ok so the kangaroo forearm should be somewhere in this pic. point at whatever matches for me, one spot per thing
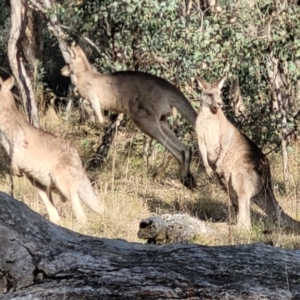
(203, 152)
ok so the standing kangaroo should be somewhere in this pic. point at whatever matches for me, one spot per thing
(50, 163)
(147, 99)
(241, 167)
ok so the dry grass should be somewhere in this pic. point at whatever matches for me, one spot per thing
(126, 186)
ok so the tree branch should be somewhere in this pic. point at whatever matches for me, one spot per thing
(47, 8)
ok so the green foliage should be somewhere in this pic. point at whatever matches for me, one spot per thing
(161, 38)
(167, 39)
(4, 29)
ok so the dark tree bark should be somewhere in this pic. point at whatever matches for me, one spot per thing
(117, 121)
(19, 11)
(40, 260)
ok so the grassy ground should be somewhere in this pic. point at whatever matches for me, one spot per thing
(126, 186)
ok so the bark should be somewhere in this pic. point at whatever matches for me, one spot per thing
(277, 83)
(40, 260)
(29, 47)
(296, 93)
(19, 11)
(117, 121)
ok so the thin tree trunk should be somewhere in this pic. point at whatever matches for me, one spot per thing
(276, 81)
(19, 10)
(117, 120)
(40, 260)
(285, 158)
(29, 47)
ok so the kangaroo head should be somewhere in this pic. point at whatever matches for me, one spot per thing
(211, 93)
(5, 87)
(77, 63)
(76, 53)
(78, 60)
(238, 106)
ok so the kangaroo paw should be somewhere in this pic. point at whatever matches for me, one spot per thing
(16, 171)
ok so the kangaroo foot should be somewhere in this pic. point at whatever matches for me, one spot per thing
(189, 181)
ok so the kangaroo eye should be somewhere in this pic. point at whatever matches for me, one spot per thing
(210, 95)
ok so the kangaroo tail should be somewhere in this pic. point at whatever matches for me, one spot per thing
(87, 194)
(272, 208)
(287, 221)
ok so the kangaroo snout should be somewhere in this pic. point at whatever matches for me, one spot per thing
(218, 104)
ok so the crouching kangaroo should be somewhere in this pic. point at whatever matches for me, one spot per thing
(147, 99)
(241, 167)
(50, 163)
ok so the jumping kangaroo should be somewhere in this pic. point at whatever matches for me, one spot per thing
(147, 99)
(50, 163)
(241, 167)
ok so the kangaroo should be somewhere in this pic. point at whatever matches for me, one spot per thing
(49, 162)
(241, 167)
(147, 99)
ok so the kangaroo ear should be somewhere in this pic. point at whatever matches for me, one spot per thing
(219, 83)
(7, 84)
(72, 51)
(65, 71)
(203, 84)
(79, 52)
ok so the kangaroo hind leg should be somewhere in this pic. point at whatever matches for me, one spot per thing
(46, 197)
(244, 189)
(186, 155)
(69, 186)
(226, 184)
(154, 129)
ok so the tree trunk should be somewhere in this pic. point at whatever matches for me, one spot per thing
(29, 47)
(40, 260)
(18, 16)
(117, 120)
(280, 100)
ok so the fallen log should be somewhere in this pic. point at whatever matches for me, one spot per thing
(40, 260)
